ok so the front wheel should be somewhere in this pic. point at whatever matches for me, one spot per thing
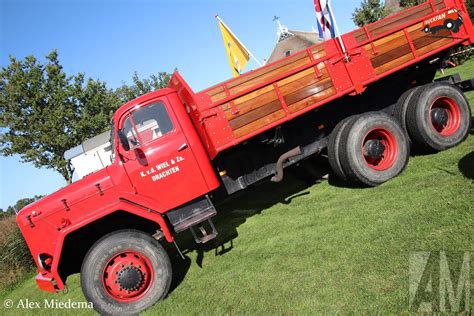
(125, 273)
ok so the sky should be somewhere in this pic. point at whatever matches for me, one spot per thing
(111, 39)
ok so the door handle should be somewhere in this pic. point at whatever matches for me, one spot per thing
(183, 147)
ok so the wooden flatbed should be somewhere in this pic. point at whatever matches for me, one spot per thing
(238, 109)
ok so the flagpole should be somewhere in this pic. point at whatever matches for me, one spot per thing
(250, 53)
(337, 31)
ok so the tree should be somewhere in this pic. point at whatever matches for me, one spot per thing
(43, 112)
(370, 11)
(21, 203)
(470, 8)
(410, 3)
(141, 86)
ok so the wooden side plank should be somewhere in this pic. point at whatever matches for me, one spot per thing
(386, 44)
(252, 104)
(256, 114)
(307, 91)
(394, 63)
(290, 81)
(382, 59)
(428, 48)
(252, 101)
(286, 88)
(255, 125)
(258, 107)
(299, 92)
(311, 100)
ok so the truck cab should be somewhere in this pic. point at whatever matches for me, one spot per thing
(159, 150)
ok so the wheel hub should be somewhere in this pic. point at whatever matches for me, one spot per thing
(127, 276)
(130, 278)
(374, 148)
(439, 117)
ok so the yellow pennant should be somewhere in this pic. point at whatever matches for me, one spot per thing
(236, 52)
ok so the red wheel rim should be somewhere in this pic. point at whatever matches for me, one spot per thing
(127, 276)
(388, 150)
(451, 108)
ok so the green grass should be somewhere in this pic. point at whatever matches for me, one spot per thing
(300, 249)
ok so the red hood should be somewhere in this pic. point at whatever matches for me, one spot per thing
(69, 196)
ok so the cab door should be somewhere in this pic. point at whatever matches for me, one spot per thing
(160, 163)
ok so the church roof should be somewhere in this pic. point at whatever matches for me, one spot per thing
(393, 5)
(292, 42)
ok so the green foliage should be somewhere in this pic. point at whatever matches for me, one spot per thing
(370, 11)
(470, 8)
(21, 203)
(15, 256)
(410, 3)
(43, 112)
(141, 86)
(461, 54)
(15, 253)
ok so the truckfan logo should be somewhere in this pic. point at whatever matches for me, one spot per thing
(449, 20)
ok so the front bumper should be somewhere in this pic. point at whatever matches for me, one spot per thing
(46, 283)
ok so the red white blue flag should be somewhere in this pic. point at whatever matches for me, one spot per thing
(325, 19)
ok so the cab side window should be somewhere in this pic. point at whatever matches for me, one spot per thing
(130, 133)
(152, 122)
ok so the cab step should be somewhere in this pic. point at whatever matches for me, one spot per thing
(202, 235)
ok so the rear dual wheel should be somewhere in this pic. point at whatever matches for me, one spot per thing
(333, 148)
(369, 149)
(401, 107)
(438, 117)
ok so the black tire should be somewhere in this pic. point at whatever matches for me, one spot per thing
(449, 24)
(457, 25)
(393, 158)
(423, 130)
(98, 265)
(333, 147)
(401, 107)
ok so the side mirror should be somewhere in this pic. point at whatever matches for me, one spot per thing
(123, 140)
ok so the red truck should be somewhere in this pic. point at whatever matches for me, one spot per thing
(173, 148)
